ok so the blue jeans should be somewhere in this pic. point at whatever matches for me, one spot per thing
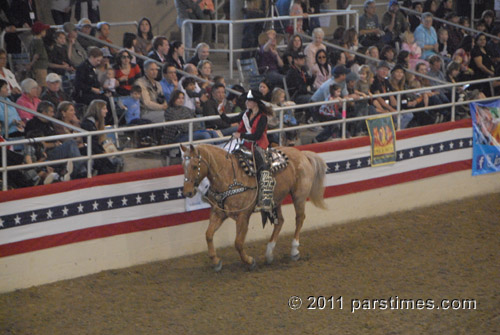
(69, 149)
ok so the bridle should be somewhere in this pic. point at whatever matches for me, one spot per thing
(197, 180)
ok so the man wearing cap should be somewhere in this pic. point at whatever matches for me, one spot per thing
(85, 27)
(298, 80)
(339, 75)
(381, 85)
(393, 23)
(38, 54)
(53, 92)
(76, 52)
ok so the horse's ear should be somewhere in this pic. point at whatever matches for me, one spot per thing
(191, 148)
(183, 148)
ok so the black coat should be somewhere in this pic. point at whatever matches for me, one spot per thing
(85, 79)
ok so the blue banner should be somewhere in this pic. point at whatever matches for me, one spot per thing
(486, 137)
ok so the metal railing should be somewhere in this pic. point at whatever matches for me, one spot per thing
(231, 50)
(281, 128)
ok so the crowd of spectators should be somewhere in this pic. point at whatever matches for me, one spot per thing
(78, 80)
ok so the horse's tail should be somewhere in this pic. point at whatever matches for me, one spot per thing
(318, 187)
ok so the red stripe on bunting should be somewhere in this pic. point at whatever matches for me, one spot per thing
(194, 216)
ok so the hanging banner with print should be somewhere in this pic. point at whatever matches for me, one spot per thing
(383, 140)
(486, 137)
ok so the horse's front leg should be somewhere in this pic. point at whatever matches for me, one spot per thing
(241, 233)
(274, 236)
(216, 219)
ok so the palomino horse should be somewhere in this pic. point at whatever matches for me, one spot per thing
(302, 178)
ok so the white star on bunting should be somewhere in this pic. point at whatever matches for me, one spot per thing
(348, 165)
(138, 199)
(359, 163)
(80, 208)
(124, 201)
(17, 220)
(1, 222)
(411, 153)
(451, 145)
(33, 217)
(152, 197)
(165, 195)
(421, 151)
(95, 206)
(65, 211)
(110, 203)
(401, 155)
(179, 193)
(49, 214)
(441, 147)
(431, 149)
(337, 167)
(461, 143)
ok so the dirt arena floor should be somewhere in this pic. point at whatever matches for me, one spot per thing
(447, 251)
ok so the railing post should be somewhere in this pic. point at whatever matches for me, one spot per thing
(6, 119)
(344, 116)
(399, 111)
(183, 37)
(231, 60)
(4, 168)
(281, 116)
(453, 99)
(89, 155)
(190, 127)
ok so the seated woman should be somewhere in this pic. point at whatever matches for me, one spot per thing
(180, 133)
(398, 83)
(482, 64)
(93, 121)
(174, 56)
(322, 71)
(126, 72)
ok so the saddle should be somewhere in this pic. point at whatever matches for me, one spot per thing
(277, 160)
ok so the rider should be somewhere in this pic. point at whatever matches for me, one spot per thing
(253, 127)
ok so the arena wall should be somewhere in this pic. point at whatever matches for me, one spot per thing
(66, 230)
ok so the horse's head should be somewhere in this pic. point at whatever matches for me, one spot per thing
(195, 169)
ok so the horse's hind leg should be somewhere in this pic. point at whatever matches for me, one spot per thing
(241, 233)
(274, 236)
(300, 208)
(215, 222)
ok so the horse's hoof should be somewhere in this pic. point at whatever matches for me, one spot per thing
(218, 266)
(269, 260)
(295, 257)
(252, 266)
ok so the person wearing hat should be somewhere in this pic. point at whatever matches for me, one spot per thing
(85, 27)
(252, 129)
(76, 52)
(393, 23)
(299, 82)
(53, 91)
(103, 32)
(381, 85)
(39, 59)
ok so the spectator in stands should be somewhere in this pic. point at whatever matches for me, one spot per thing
(298, 81)
(91, 7)
(350, 41)
(431, 6)
(39, 59)
(132, 106)
(13, 87)
(412, 47)
(374, 53)
(363, 107)
(59, 61)
(87, 85)
(321, 70)
(56, 149)
(175, 56)
(481, 64)
(85, 27)
(180, 133)
(29, 98)
(294, 45)
(393, 23)
(216, 105)
(492, 47)
(129, 43)
(126, 72)
(66, 112)
(144, 37)
(269, 60)
(388, 54)
(398, 83)
(296, 10)
(53, 91)
(443, 49)
(153, 103)
(339, 76)
(488, 17)
(236, 102)
(338, 36)
(187, 9)
(463, 56)
(169, 82)
(93, 121)
(202, 52)
(312, 48)
(426, 37)
(193, 71)
(15, 126)
(104, 65)
(436, 97)
(331, 112)
(370, 31)
(61, 11)
(103, 32)
(381, 85)
(415, 19)
(265, 89)
(452, 73)
(337, 58)
(205, 72)
(454, 34)
(76, 52)
(403, 59)
(444, 8)
(160, 51)
(207, 11)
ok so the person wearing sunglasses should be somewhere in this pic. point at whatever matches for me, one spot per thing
(125, 72)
